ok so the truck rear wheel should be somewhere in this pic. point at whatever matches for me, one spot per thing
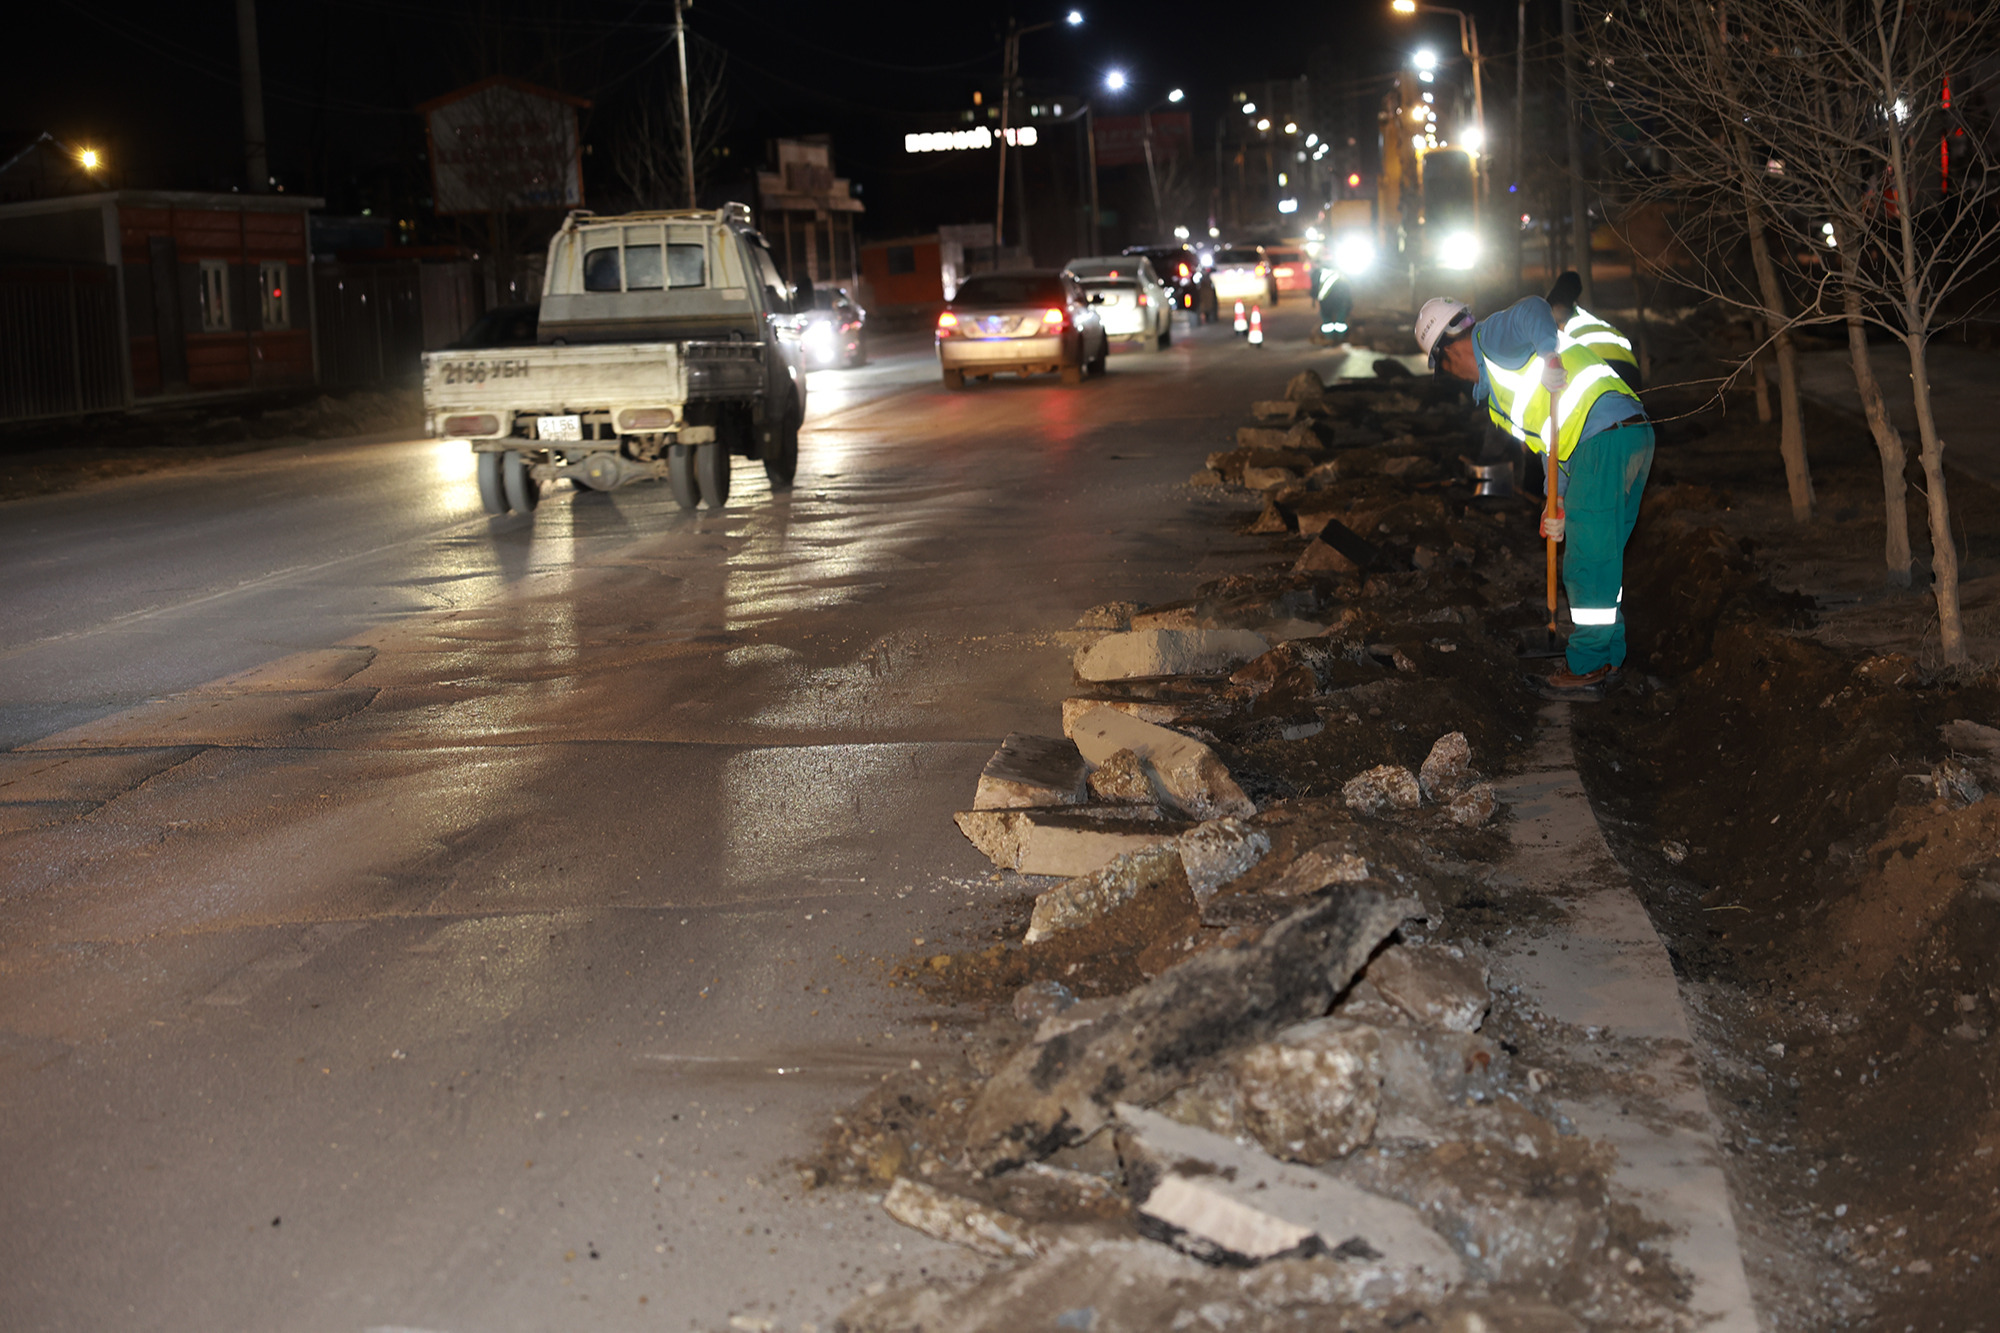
(781, 459)
(711, 471)
(523, 491)
(680, 475)
(492, 492)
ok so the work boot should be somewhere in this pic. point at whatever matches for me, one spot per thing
(1566, 686)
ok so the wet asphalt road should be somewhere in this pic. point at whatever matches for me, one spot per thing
(415, 920)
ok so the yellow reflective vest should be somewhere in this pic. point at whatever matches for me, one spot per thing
(1599, 336)
(1520, 405)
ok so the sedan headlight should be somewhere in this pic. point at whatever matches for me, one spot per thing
(1459, 250)
(818, 340)
(1354, 254)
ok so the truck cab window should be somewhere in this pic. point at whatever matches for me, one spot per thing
(642, 269)
(600, 270)
(777, 296)
(687, 266)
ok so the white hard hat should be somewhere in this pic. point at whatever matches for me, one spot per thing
(1441, 316)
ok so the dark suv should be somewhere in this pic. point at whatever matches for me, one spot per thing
(1180, 269)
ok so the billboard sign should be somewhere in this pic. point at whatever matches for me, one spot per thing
(504, 146)
(1121, 140)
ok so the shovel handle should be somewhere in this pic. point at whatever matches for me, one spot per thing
(1551, 507)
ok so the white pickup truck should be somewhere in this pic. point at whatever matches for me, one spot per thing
(666, 343)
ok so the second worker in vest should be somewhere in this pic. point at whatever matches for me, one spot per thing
(1593, 331)
(1523, 370)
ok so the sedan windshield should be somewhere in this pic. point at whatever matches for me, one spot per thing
(1238, 257)
(1010, 289)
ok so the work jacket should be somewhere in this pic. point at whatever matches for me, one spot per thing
(1599, 335)
(1520, 405)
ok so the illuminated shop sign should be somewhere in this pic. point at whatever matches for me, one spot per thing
(949, 140)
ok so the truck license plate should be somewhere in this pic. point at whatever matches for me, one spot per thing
(559, 428)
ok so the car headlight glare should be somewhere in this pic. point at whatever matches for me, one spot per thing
(1459, 250)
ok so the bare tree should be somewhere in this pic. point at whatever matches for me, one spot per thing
(650, 158)
(1855, 114)
(1683, 68)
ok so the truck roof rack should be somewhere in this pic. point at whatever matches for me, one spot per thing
(730, 212)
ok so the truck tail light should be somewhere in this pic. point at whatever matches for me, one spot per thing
(468, 426)
(646, 418)
(1144, 300)
(1184, 268)
(946, 323)
(1053, 317)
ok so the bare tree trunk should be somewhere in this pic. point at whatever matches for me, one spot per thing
(1916, 336)
(1760, 378)
(1888, 440)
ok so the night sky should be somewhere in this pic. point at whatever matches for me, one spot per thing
(154, 86)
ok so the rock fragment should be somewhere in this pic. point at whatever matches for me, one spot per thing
(1384, 787)
(1268, 478)
(1031, 771)
(1224, 1202)
(1149, 873)
(1447, 769)
(1039, 1000)
(1120, 780)
(1108, 615)
(1313, 870)
(1060, 1092)
(1276, 409)
(1309, 1095)
(1065, 840)
(1185, 773)
(1217, 851)
(1474, 806)
(1161, 713)
(1168, 652)
(1437, 986)
(1338, 549)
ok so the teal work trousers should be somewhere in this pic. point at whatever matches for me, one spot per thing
(1606, 479)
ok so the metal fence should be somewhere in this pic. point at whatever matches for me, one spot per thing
(374, 318)
(59, 352)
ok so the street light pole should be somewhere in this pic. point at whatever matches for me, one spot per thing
(1468, 45)
(687, 120)
(1008, 61)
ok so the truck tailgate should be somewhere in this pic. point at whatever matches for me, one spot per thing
(591, 376)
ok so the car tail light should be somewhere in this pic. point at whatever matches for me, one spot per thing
(947, 322)
(1144, 300)
(1053, 317)
(1262, 269)
(472, 425)
(646, 418)
(1184, 269)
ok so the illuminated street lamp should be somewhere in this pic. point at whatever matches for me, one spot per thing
(1074, 18)
(1115, 80)
(1468, 43)
(88, 159)
(1176, 95)
(1010, 66)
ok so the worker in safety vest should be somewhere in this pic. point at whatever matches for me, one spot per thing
(1336, 303)
(1593, 331)
(1539, 388)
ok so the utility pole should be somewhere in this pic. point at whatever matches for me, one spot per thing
(1011, 54)
(1513, 200)
(1579, 212)
(687, 117)
(256, 158)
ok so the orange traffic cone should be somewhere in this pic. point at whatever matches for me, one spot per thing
(1256, 327)
(1242, 324)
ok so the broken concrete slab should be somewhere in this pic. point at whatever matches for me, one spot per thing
(1159, 712)
(1108, 615)
(1316, 868)
(1122, 780)
(1262, 437)
(1168, 652)
(1338, 549)
(1309, 1095)
(1065, 840)
(1447, 769)
(1159, 1034)
(1382, 788)
(1185, 772)
(1032, 771)
(961, 1221)
(1225, 1202)
(1217, 851)
(1129, 879)
(1305, 385)
(1275, 409)
(1438, 986)
(1268, 478)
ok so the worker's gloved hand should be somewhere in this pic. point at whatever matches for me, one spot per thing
(1552, 526)
(1554, 378)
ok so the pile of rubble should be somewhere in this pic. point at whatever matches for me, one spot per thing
(1244, 1068)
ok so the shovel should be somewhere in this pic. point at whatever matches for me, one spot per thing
(1547, 641)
